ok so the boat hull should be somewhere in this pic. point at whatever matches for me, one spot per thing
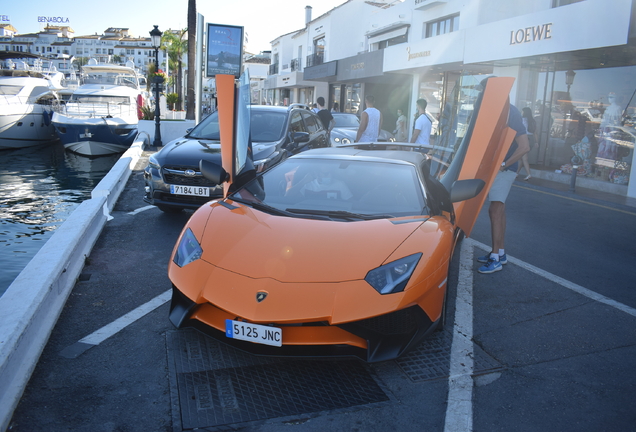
(94, 137)
(29, 126)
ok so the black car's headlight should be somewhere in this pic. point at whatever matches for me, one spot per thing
(263, 163)
(188, 250)
(393, 277)
(152, 161)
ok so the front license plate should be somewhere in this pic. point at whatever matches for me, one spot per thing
(190, 190)
(253, 333)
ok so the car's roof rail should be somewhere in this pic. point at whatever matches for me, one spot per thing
(298, 105)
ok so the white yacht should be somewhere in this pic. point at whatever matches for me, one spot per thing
(102, 114)
(27, 97)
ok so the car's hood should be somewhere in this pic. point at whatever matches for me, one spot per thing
(188, 151)
(258, 245)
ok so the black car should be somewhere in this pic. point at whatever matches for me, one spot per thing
(174, 181)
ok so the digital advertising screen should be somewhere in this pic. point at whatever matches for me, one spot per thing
(224, 50)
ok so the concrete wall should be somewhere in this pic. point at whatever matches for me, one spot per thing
(32, 304)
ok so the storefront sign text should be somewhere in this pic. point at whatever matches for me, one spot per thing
(417, 54)
(357, 66)
(531, 34)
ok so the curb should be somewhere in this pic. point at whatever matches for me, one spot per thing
(30, 307)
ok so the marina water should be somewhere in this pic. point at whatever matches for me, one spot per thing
(39, 188)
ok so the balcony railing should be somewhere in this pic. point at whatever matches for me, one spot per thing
(273, 69)
(315, 59)
(296, 64)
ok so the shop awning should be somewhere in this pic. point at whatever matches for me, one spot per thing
(388, 35)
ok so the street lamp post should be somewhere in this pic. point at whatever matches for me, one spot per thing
(155, 36)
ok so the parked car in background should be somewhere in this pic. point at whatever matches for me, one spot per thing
(347, 127)
(174, 181)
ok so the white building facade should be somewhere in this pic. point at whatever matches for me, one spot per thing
(59, 44)
(571, 75)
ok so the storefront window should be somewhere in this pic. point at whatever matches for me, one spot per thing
(592, 118)
(432, 91)
(335, 95)
(353, 104)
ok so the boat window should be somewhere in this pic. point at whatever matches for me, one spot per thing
(10, 90)
(36, 91)
(116, 100)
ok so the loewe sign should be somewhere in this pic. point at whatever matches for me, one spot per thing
(531, 34)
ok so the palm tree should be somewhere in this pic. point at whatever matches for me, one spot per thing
(192, 31)
(176, 46)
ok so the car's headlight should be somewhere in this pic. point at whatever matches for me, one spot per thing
(261, 164)
(336, 140)
(393, 277)
(152, 161)
(346, 140)
(188, 250)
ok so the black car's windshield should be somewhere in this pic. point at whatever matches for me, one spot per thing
(265, 126)
(339, 188)
(346, 120)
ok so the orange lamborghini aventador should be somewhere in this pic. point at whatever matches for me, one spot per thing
(335, 251)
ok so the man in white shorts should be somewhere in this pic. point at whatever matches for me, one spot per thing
(499, 192)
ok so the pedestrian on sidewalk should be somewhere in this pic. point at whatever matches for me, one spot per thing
(531, 126)
(499, 192)
(423, 125)
(400, 132)
(370, 122)
(325, 116)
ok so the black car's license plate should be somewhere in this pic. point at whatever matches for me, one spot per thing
(190, 190)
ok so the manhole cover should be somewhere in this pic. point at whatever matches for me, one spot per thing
(217, 385)
(431, 359)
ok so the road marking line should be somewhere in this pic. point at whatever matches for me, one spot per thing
(139, 210)
(564, 282)
(577, 200)
(459, 409)
(124, 321)
(99, 336)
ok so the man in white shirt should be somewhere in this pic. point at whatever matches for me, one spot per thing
(423, 125)
(370, 122)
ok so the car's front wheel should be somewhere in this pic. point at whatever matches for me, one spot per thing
(168, 209)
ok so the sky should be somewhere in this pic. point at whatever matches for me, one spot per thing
(263, 20)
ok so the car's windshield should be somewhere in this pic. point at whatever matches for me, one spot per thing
(306, 185)
(265, 126)
(346, 120)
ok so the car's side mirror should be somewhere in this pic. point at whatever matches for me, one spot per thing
(300, 137)
(466, 189)
(213, 172)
